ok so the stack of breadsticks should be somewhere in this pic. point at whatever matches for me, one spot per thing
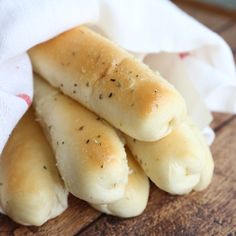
(110, 122)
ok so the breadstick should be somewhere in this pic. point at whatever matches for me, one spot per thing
(90, 156)
(31, 191)
(136, 194)
(109, 81)
(178, 163)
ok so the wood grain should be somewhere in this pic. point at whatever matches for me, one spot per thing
(216, 22)
(78, 215)
(230, 36)
(211, 212)
(211, 8)
(220, 119)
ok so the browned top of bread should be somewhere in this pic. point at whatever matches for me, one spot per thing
(31, 191)
(28, 154)
(81, 52)
(111, 82)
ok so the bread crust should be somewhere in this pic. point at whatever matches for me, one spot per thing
(178, 163)
(136, 194)
(109, 81)
(31, 191)
(90, 155)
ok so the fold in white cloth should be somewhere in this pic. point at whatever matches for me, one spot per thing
(196, 60)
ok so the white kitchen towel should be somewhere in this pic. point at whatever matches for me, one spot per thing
(196, 60)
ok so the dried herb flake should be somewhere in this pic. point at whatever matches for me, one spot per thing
(81, 128)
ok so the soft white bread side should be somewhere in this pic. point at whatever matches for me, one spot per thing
(90, 156)
(136, 194)
(31, 191)
(110, 82)
(178, 163)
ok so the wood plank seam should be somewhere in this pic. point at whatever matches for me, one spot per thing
(226, 122)
(225, 27)
(231, 13)
(93, 222)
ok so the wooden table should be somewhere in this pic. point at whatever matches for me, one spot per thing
(211, 212)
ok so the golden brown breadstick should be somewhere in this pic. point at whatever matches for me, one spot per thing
(31, 191)
(136, 194)
(110, 82)
(90, 156)
(178, 163)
